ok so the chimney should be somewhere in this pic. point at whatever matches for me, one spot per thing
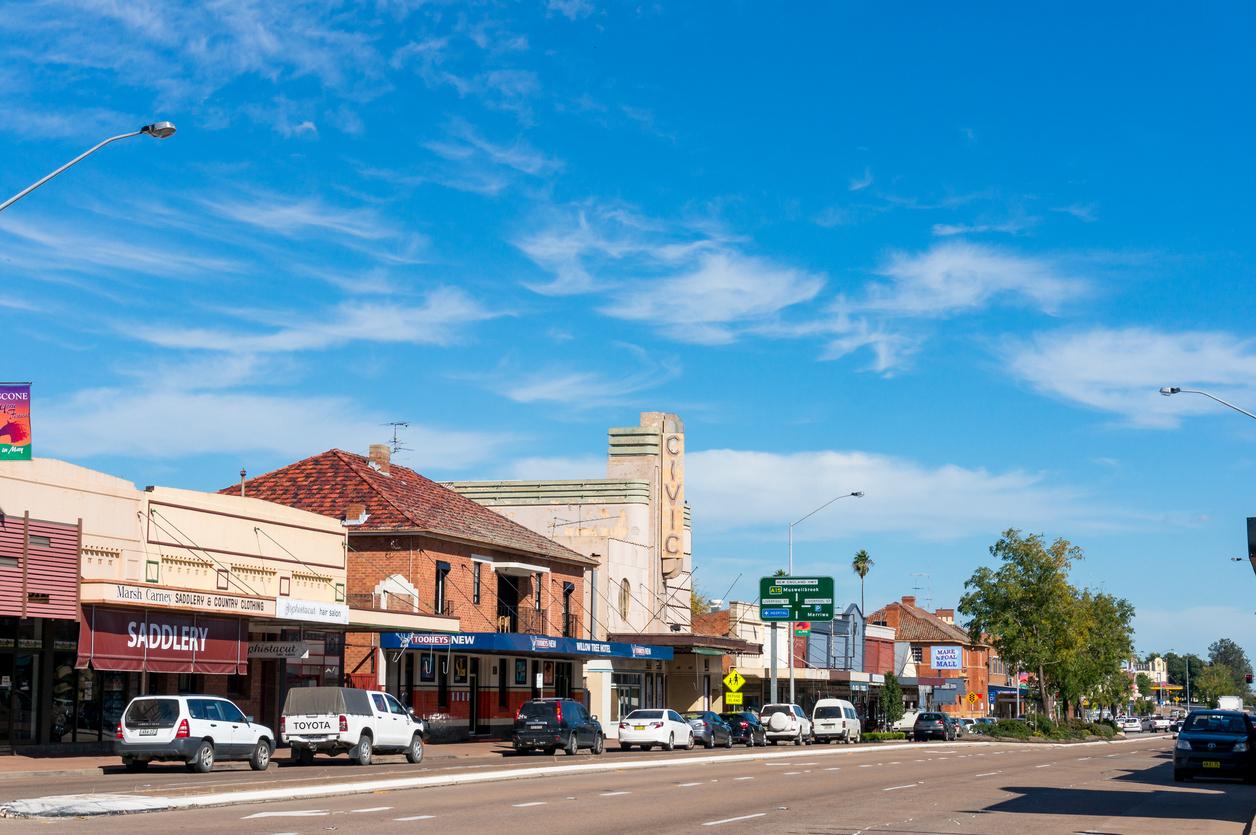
(909, 600)
(355, 514)
(947, 615)
(379, 456)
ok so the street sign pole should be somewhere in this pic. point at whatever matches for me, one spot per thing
(791, 623)
(773, 662)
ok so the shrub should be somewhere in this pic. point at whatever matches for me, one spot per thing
(1011, 728)
(882, 736)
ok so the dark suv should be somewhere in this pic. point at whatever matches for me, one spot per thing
(1215, 743)
(746, 728)
(550, 724)
(934, 725)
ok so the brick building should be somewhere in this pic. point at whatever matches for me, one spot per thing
(416, 546)
(947, 668)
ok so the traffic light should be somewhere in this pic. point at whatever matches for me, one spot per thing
(1248, 678)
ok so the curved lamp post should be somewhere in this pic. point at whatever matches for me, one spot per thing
(1169, 391)
(157, 130)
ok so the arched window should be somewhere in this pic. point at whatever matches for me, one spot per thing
(625, 598)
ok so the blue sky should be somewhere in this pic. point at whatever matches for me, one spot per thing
(945, 257)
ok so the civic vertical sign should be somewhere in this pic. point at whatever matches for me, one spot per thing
(15, 421)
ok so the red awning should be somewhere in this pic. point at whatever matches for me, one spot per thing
(161, 641)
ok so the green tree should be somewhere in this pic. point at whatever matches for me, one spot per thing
(699, 604)
(1105, 623)
(891, 699)
(1232, 656)
(1114, 691)
(862, 564)
(1216, 680)
(1176, 666)
(1146, 687)
(1028, 606)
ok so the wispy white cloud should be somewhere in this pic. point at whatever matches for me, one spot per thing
(1008, 227)
(862, 182)
(745, 490)
(465, 144)
(441, 319)
(1120, 371)
(582, 389)
(571, 9)
(297, 216)
(1085, 212)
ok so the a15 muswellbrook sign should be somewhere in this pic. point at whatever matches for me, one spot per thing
(15, 421)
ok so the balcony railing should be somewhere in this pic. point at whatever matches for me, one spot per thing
(571, 625)
(522, 621)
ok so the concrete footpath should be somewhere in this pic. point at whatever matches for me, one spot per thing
(17, 767)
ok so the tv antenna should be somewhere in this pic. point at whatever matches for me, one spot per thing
(927, 587)
(396, 444)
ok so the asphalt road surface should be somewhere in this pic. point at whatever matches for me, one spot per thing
(940, 788)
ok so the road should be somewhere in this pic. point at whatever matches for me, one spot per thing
(937, 788)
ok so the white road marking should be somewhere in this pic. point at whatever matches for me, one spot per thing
(1044, 765)
(416, 818)
(734, 820)
(896, 762)
(743, 778)
(832, 768)
(612, 794)
(1083, 759)
(687, 785)
(896, 788)
(531, 803)
(370, 809)
(310, 813)
(791, 773)
(869, 765)
(990, 774)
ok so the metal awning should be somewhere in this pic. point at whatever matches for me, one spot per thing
(512, 568)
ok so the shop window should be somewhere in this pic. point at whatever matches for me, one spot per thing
(238, 687)
(918, 654)
(190, 683)
(475, 582)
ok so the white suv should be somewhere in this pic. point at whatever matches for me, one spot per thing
(786, 722)
(197, 730)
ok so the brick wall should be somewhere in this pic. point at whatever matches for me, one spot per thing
(374, 557)
(878, 656)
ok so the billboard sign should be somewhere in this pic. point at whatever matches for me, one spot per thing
(15, 421)
(946, 658)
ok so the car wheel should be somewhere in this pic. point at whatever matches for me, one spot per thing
(689, 745)
(414, 753)
(203, 760)
(135, 765)
(599, 745)
(572, 745)
(798, 739)
(728, 743)
(305, 756)
(366, 749)
(671, 743)
(709, 742)
(625, 746)
(260, 760)
(773, 741)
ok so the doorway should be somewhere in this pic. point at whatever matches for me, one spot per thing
(473, 681)
(507, 604)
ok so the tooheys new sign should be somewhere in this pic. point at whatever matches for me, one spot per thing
(135, 640)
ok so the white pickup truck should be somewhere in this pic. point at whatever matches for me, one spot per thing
(336, 720)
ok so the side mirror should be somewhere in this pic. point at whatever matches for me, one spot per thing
(248, 720)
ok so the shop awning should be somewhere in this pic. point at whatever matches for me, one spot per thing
(689, 642)
(161, 641)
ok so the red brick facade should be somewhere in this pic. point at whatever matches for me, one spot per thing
(878, 656)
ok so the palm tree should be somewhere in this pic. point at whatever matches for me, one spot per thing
(862, 564)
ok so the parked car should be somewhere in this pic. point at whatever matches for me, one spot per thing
(746, 728)
(907, 722)
(550, 724)
(967, 726)
(835, 719)
(1129, 723)
(337, 720)
(934, 725)
(1176, 725)
(1156, 724)
(982, 724)
(709, 728)
(199, 730)
(786, 722)
(648, 728)
(1215, 743)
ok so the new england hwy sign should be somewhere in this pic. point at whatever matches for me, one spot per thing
(795, 598)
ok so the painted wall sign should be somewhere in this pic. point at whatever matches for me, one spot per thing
(15, 421)
(514, 643)
(946, 658)
(313, 610)
(292, 650)
(175, 599)
(672, 505)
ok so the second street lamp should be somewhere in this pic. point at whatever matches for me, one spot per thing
(157, 130)
(1169, 391)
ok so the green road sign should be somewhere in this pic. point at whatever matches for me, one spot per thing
(795, 598)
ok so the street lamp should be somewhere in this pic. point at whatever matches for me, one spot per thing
(856, 494)
(157, 130)
(1169, 391)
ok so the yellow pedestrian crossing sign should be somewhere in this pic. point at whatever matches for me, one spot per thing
(732, 699)
(734, 681)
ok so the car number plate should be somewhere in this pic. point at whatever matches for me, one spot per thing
(1212, 764)
(537, 727)
(638, 727)
(147, 732)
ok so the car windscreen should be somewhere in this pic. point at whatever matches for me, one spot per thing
(645, 714)
(735, 717)
(1214, 723)
(929, 717)
(538, 711)
(768, 710)
(828, 713)
(152, 713)
(694, 714)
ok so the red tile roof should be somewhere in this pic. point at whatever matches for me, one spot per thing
(917, 624)
(712, 623)
(401, 500)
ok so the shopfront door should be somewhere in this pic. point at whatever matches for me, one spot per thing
(473, 681)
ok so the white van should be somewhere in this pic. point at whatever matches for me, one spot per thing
(835, 719)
